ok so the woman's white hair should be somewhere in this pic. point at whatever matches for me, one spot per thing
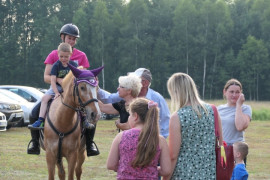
(131, 82)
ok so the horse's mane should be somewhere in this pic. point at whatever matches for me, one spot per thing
(68, 77)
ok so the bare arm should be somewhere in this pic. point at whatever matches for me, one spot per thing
(54, 86)
(241, 120)
(174, 141)
(165, 162)
(107, 108)
(122, 126)
(47, 75)
(113, 158)
(220, 131)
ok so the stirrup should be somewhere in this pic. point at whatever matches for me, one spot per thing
(33, 151)
(90, 151)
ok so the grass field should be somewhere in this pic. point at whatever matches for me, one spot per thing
(15, 164)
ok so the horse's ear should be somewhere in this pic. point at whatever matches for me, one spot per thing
(76, 72)
(97, 71)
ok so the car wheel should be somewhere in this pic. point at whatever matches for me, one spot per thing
(8, 127)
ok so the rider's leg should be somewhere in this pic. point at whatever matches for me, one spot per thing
(91, 147)
(42, 113)
(34, 147)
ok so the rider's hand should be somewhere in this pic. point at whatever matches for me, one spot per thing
(56, 95)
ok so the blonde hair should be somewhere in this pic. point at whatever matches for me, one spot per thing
(149, 136)
(131, 82)
(183, 91)
(241, 147)
(64, 47)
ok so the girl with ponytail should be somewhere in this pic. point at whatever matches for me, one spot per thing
(136, 153)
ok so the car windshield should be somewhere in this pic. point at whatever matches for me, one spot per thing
(13, 96)
(31, 94)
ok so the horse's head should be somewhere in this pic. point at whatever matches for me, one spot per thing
(85, 89)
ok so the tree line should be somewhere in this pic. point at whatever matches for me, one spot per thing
(211, 40)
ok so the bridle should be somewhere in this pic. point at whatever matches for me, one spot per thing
(81, 107)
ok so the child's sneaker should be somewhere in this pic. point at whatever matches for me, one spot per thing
(41, 125)
(36, 125)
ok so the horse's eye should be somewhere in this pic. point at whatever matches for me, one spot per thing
(82, 88)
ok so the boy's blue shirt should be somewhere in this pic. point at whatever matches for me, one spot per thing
(239, 172)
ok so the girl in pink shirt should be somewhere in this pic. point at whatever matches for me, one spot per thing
(136, 153)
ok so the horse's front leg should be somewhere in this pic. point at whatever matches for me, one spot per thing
(80, 161)
(51, 161)
(72, 159)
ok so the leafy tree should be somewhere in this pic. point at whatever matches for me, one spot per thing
(253, 60)
(100, 22)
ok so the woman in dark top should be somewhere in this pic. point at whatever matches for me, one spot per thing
(129, 88)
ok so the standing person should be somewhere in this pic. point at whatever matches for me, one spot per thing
(129, 88)
(59, 70)
(240, 152)
(69, 34)
(192, 131)
(235, 115)
(148, 93)
(136, 152)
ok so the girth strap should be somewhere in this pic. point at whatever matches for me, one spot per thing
(62, 135)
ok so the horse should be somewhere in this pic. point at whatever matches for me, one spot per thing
(63, 129)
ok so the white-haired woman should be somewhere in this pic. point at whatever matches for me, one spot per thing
(128, 89)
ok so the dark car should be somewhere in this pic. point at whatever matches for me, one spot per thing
(12, 110)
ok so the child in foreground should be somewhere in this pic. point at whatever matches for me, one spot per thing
(240, 152)
(135, 153)
(59, 70)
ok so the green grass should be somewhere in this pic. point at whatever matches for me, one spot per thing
(16, 164)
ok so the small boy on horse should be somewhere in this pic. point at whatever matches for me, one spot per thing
(59, 70)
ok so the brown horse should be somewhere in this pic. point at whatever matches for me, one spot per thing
(63, 129)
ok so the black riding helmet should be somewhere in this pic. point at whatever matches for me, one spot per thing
(71, 30)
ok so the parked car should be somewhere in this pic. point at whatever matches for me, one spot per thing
(31, 94)
(3, 122)
(25, 105)
(109, 116)
(42, 90)
(12, 110)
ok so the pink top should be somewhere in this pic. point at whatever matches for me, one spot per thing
(78, 56)
(127, 150)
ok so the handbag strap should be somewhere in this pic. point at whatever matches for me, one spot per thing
(216, 121)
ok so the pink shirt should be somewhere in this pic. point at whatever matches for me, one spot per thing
(78, 56)
(127, 150)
